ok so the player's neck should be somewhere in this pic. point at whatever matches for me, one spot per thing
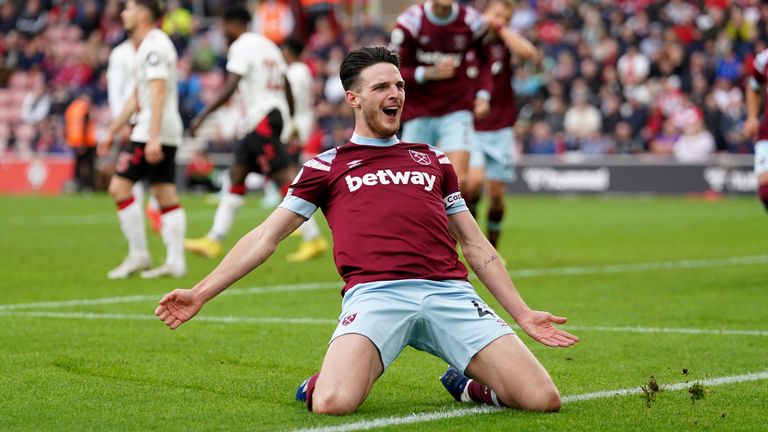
(140, 33)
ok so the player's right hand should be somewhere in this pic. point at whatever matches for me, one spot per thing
(444, 69)
(103, 146)
(750, 127)
(178, 307)
(195, 125)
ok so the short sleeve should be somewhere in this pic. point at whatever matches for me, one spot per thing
(308, 190)
(454, 203)
(156, 63)
(237, 60)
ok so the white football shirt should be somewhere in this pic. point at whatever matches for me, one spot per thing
(156, 59)
(120, 76)
(300, 78)
(262, 68)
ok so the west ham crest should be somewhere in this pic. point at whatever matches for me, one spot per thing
(460, 42)
(419, 157)
(347, 320)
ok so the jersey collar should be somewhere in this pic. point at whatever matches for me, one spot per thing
(378, 142)
(441, 21)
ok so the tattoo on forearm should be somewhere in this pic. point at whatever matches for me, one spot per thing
(485, 264)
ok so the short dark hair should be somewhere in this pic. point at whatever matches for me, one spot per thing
(153, 6)
(237, 13)
(294, 45)
(361, 58)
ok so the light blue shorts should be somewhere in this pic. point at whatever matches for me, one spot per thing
(495, 152)
(445, 318)
(450, 133)
(761, 157)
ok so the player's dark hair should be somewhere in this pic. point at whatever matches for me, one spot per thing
(294, 45)
(153, 6)
(237, 13)
(361, 58)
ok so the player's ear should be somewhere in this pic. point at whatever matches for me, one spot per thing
(352, 99)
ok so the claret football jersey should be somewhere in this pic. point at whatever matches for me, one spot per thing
(387, 204)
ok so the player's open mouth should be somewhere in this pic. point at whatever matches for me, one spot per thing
(391, 111)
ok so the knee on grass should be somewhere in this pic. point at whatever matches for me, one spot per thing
(336, 402)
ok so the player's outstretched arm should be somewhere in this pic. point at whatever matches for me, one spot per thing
(251, 251)
(485, 262)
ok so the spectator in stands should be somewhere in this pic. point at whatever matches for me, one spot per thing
(32, 54)
(33, 19)
(274, 19)
(696, 144)
(36, 104)
(582, 120)
(7, 16)
(542, 142)
(177, 24)
(625, 141)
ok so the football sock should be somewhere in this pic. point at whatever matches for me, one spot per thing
(495, 215)
(763, 192)
(311, 389)
(476, 392)
(132, 224)
(152, 203)
(310, 230)
(226, 211)
(173, 232)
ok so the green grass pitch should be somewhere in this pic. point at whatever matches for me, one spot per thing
(629, 273)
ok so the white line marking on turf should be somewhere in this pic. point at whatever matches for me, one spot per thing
(442, 415)
(155, 298)
(289, 320)
(522, 273)
(148, 317)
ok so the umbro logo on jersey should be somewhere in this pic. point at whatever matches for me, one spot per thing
(386, 177)
(354, 163)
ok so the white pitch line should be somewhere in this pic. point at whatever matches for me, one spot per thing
(328, 321)
(516, 274)
(148, 317)
(442, 415)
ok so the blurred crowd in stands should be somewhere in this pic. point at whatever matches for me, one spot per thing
(617, 76)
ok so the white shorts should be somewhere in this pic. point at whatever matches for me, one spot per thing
(761, 157)
(445, 318)
(450, 133)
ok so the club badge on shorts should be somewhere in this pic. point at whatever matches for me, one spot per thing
(349, 319)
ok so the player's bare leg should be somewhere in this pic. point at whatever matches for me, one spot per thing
(474, 188)
(351, 366)
(132, 225)
(505, 373)
(762, 181)
(313, 244)
(174, 227)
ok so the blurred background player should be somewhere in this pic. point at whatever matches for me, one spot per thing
(753, 126)
(494, 153)
(120, 87)
(152, 149)
(256, 67)
(447, 75)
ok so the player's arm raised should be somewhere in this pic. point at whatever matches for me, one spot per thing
(252, 250)
(485, 262)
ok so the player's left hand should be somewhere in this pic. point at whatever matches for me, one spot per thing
(153, 152)
(538, 325)
(482, 108)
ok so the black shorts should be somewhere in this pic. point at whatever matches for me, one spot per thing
(261, 151)
(132, 165)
